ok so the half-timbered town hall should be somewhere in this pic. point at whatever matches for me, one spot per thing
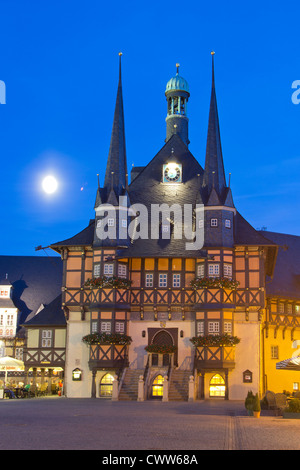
(153, 314)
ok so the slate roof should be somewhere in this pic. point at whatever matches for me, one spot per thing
(36, 280)
(286, 279)
(50, 315)
(83, 238)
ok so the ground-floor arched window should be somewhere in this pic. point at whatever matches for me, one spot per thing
(157, 386)
(217, 386)
(106, 385)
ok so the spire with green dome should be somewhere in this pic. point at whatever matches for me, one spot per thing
(177, 95)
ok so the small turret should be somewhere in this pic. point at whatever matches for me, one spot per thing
(177, 94)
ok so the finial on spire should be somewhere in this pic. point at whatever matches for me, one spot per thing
(212, 52)
(177, 66)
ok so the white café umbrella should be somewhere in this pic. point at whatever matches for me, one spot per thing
(8, 363)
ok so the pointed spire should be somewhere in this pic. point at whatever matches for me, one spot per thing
(116, 168)
(214, 175)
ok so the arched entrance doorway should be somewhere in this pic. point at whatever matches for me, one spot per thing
(157, 387)
(217, 386)
(162, 338)
(106, 386)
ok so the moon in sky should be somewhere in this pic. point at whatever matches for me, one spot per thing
(49, 184)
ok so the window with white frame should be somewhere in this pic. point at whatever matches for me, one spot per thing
(97, 270)
(176, 280)
(200, 328)
(149, 280)
(46, 338)
(227, 268)
(162, 280)
(213, 327)
(94, 327)
(108, 269)
(124, 223)
(213, 222)
(200, 270)
(228, 327)
(105, 327)
(122, 270)
(227, 223)
(120, 327)
(213, 270)
(110, 222)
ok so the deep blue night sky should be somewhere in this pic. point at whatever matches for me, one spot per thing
(59, 62)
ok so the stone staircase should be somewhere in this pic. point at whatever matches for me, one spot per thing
(129, 389)
(179, 385)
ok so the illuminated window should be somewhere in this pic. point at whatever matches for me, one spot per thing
(157, 386)
(106, 385)
(217, 386)
(228, 327)
(4, 293)
(280, 307)
(274, 352)
(295, 386)
(289, 308)
(227, 223)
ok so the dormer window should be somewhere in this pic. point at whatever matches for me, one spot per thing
(213, 222)
(110, 222)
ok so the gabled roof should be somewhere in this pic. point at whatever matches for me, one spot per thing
(286, 279)
(36, 280)
(51, 315)
(245, 234)
(147, 189)
(83, 238)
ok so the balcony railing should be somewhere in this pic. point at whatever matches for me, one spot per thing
(228, 298)
(214, 357)
(108, 356)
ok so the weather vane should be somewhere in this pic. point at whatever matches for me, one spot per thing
(177, 65)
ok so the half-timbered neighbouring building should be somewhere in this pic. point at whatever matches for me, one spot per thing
(146, 316)
(29, 286)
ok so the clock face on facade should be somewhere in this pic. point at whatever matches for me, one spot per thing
(172, 173)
